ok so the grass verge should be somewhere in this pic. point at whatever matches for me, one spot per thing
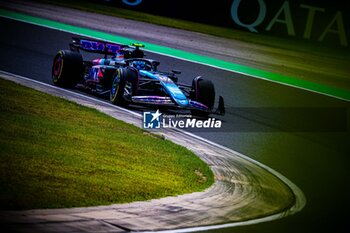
(55, 153)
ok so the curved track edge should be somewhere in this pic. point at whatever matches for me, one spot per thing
(245, 191)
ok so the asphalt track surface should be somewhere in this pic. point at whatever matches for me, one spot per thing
(316, 160)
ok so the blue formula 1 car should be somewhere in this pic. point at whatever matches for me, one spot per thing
(126, 77)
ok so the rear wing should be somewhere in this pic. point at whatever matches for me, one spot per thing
(104, 47)
(95, 46)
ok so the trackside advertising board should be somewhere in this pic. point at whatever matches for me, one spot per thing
(322, 21)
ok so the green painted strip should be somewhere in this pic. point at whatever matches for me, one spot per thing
(282, 79)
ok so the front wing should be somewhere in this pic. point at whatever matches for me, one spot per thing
(168, 102)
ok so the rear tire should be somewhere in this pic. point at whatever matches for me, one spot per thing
(203, 91)
(67, 68)
(124, 86)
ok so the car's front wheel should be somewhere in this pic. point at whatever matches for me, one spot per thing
(203, 91)
(124, 86)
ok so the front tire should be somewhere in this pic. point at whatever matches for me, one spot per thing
(67, 68)
(203, 91)
(124, 86)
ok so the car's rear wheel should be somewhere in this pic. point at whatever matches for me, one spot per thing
(203, 91)
(67, 68)
(124, 86)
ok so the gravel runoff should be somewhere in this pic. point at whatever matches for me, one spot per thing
(309, 65)
(244, 192)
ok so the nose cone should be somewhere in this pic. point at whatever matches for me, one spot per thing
(182, 102)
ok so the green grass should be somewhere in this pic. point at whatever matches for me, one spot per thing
(55, 153)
